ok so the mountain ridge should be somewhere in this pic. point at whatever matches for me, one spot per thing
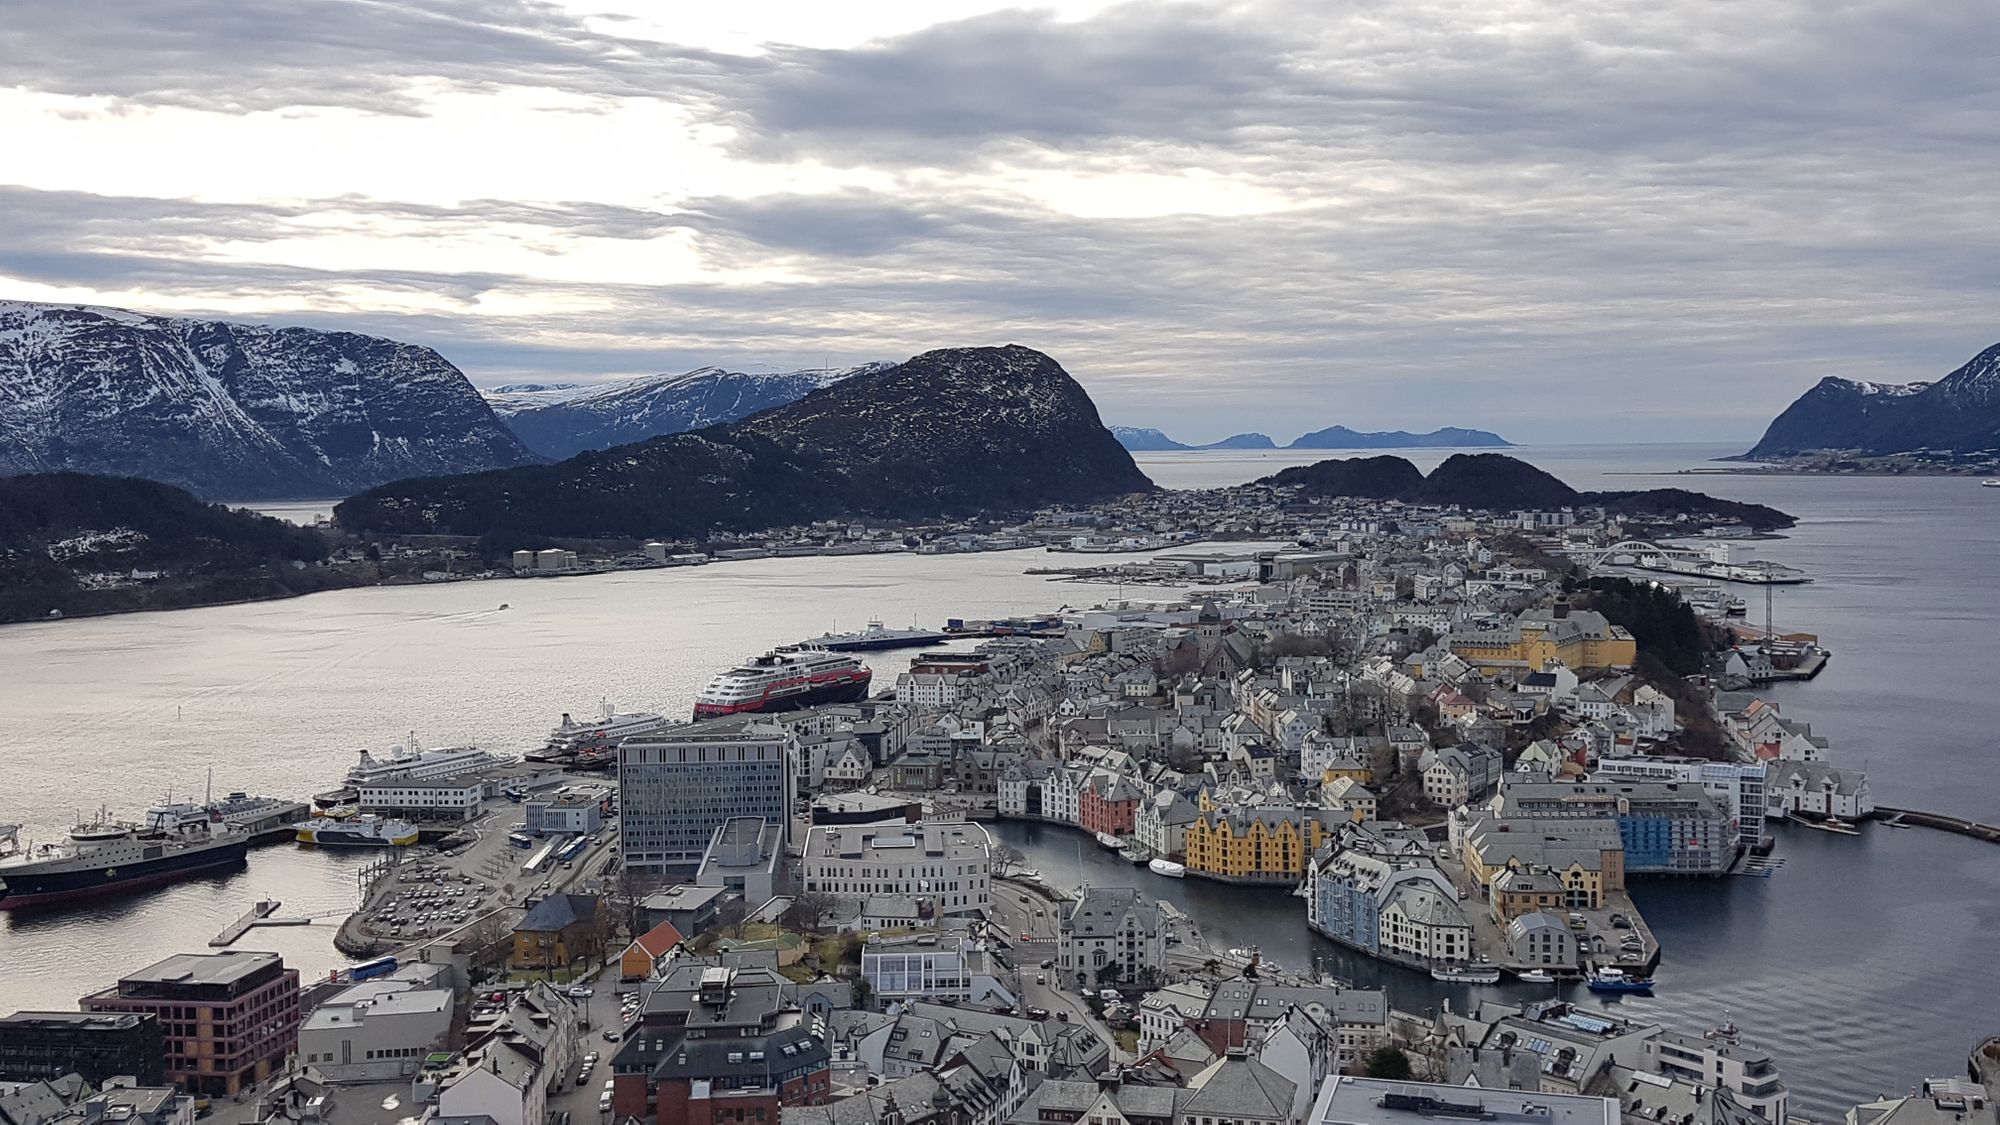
(234, 410)
(1497, 482)
(1148, 440)
(1959, 413)
(565, 419)
(950, 433)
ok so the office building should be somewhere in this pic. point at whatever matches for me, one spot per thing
(36, 1046)
(229, 1018)
(677, 787)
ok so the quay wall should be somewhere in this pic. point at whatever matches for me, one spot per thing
(1941, 822)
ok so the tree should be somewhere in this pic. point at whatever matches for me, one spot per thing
(808, 911)
(1003, 858)
(1109, 972)
(1389, 1062)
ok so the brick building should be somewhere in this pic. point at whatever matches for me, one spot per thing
(229, 1018)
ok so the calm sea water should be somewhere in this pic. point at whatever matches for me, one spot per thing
(1866, 963)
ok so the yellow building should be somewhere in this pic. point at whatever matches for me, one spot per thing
(1585, 858)
(1255, 845)
(1582, 639)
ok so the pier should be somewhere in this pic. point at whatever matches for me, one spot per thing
(263, 913)
(1939, 821)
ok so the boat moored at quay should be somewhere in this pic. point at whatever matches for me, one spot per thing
(108, 857)
(875, 637)
(409, 762)
(263, 819)
(364, 831)
(784, 679)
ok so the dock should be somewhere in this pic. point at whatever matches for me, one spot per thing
(1939, 821)
(261, 914)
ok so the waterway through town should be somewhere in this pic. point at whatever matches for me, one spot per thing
(1864, 963)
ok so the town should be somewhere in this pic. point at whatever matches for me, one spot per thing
(1457, 738)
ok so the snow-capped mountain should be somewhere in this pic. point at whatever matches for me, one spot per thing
(233, 411)
(1958, 413)
(950, 433)
(562, 420)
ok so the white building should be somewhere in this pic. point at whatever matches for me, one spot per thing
(376, 1031)
(442, 798)
(940, 967)
(1724, 1061)
(1816, 789)
(1423, 922)
(1740, 789)
(943, 866)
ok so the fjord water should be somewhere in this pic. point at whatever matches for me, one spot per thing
(1864, 964)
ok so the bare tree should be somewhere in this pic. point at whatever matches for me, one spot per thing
(1004, 858)
(808, 911)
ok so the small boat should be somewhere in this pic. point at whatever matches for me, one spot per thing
(1615, 980)
(1110, 841)
(1167, 868)
(1989, 484)
(1467, 974)
(1831, 824)
(1535, 976)
(503, 605)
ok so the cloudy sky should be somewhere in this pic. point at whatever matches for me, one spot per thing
(1568, 220)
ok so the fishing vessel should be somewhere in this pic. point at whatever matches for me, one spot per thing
(876, 636)
(108, 857)
(1467, 974)
(1168, 868)
(785, 679)
(1616, 980)
(364, 831)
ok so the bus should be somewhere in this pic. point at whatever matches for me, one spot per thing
(369, 970)
(521, 839)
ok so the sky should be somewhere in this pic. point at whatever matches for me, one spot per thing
(1564, 220)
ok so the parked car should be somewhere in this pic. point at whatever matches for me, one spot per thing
(580, 991)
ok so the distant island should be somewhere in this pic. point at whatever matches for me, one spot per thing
(1145, 440)
(1952, 422)
(1496, 482)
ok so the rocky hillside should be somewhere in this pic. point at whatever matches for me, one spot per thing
(1959, 413)
(1450, 437)
(562, 420)
(950, 433)
(233, 411)
(1496, 482)
(72, 543)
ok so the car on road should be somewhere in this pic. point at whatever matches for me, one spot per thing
(1048, 963)
(611, 1036)
(1027, 937)
(1041, 978)
(604, 1102)
(580, 991)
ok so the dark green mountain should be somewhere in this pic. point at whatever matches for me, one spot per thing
(1496, 482)
(951, 433)
(76, 544)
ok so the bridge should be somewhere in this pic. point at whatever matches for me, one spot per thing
(1630, 551)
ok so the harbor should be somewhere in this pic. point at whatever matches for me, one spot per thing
(356, 668)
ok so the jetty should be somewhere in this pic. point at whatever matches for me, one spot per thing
(1939, 821)
(260, 914)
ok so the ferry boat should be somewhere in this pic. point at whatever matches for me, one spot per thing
(1616, 980)
(604, 734)
(785, 679)
(875, 637)
(106, 857)
(1467, 974)
(364, 831)
(1535, 976)
(1168, 868)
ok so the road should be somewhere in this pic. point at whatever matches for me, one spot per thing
(1018, 912)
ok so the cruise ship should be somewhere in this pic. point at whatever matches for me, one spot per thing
(784, 679)
(412, 763)
(364, 831)
(107, 857)
(599, 736)
(877, 636)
